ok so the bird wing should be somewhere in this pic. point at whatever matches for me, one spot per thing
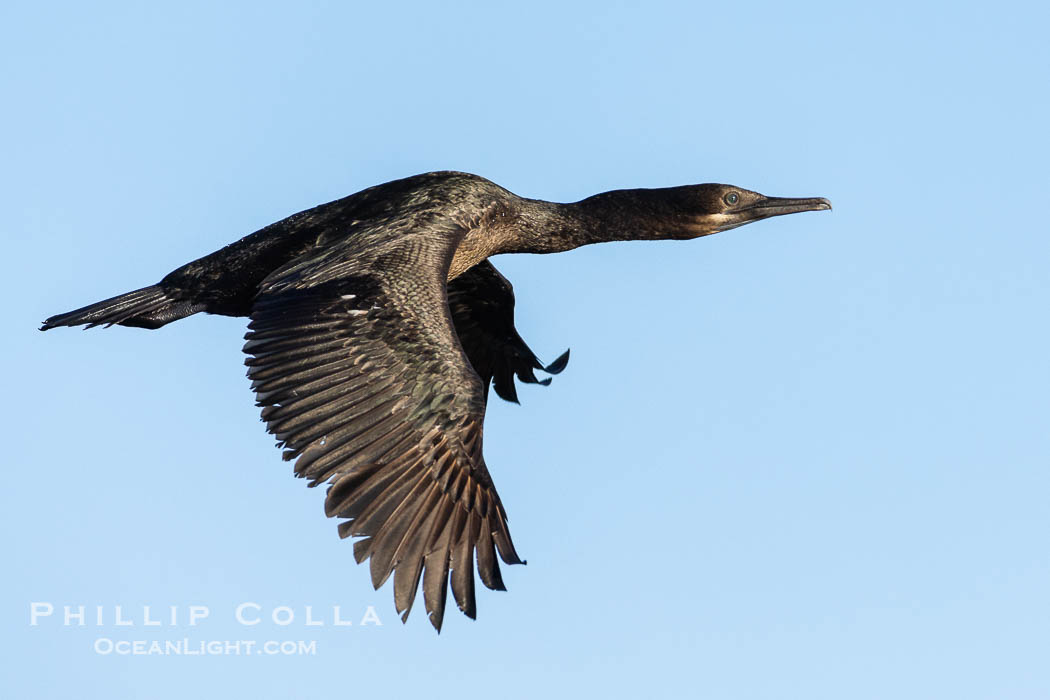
(481, 301)
(360, 376)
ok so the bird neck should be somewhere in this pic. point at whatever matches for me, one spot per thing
(621, 215)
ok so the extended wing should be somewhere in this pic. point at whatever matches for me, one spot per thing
(356, 365)
(481, 301)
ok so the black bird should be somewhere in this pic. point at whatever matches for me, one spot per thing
(377, 325)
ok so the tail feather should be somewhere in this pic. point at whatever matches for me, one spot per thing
(149, 307)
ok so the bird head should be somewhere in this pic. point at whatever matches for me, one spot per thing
(700, 210)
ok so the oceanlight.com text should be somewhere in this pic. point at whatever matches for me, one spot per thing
(189, 647)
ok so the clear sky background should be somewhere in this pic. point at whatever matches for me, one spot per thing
(804, 459)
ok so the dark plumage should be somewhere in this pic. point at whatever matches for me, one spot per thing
(377, 324)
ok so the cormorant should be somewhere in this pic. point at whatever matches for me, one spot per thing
(377, 325)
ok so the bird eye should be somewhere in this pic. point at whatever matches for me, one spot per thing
(732, 198)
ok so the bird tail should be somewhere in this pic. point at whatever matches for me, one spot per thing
(149, 307)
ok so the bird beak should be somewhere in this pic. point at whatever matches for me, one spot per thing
(778, 206)
(767, 207)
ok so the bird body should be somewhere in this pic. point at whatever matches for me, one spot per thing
(377, 326)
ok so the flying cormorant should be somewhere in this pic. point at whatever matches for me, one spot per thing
(377, 325)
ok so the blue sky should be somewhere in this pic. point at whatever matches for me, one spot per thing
(806, 458)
